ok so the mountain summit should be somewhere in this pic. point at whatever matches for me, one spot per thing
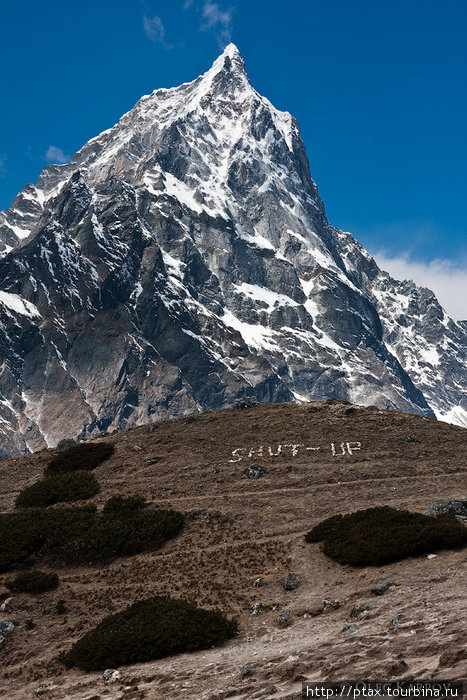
(182, 261)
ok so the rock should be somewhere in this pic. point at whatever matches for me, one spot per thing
(258, 582)
(456, 506)
(361, 608)
(4, 605)
(111, 675)
(6, 628)
(254, 471)
(65, 444)
(332, 604)
(137, 448)
(431, 556)
(256, 609)
(152, 460)
(246, 671)
(396, 620)
(244, 405)
(283, 619)
(195, 514)
(43, 689)
(349, 629)
(292, 582)
(382, 587)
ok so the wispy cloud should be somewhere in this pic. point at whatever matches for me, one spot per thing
(445, 278)
(154, 29)
(56, 155)
(215, 17)
(2, 165)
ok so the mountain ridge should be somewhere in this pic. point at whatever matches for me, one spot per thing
(183, 261)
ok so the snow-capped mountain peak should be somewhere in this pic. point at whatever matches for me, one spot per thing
(183, 260)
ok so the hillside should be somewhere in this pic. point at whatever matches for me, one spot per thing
(244, 529)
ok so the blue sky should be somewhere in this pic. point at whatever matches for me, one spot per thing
(378, 88)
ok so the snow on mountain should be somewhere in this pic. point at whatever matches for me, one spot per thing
(182, 260)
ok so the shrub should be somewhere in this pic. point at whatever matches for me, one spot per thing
(75, 486)
(122, 504)
(113, 535)
(85, 456)
(380, 535)
(324, 529)
(33, 582)
(20, 536)
(147, 630)
(81, 535)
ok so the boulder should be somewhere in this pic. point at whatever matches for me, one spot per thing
(254, 471)
(382, 587)
(292, 582)
(456, 506)
(6, 628)
(283, 619)
(256, 609)
(111, 675)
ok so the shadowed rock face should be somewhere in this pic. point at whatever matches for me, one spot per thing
(183, 261)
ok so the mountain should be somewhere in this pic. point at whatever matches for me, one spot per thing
(239, 530)
(183, 261)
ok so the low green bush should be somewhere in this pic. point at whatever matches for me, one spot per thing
(380, 535)
(33, 582)
(62, 488)
(85, 456)
(81, 535)
(149, 629)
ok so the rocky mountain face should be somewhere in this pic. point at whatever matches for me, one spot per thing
(182, 261)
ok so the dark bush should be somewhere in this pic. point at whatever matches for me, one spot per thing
(62, 488)
(113, 535)
(81, 535)
(33, 582)
(20, 536)
(324, 529)
(380, 535)
(147, 630)
(85, 456)
(124, 504)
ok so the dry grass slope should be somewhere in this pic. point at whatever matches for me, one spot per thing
(241, 538)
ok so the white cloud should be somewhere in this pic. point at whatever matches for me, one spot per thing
(219, 19)
(154, 29)
(215, 17)
(445, 278)
(56, 155)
